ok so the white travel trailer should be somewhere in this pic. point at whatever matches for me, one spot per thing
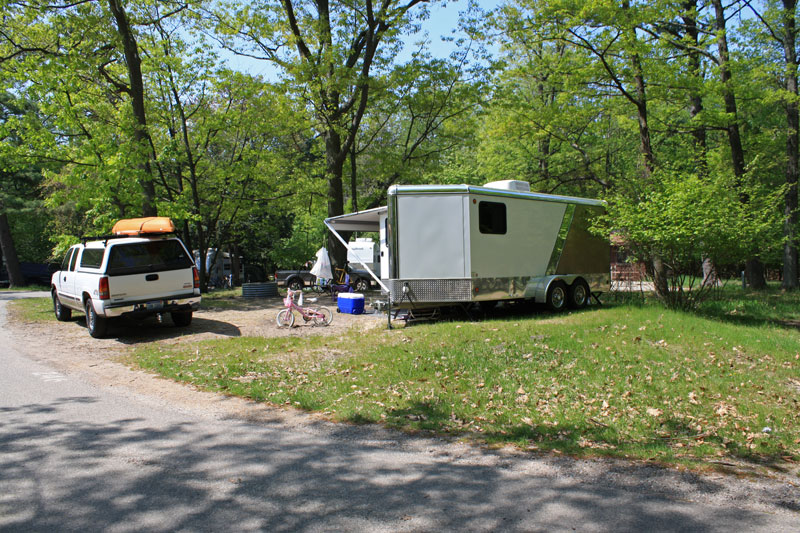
(363, 251)
(455, 244)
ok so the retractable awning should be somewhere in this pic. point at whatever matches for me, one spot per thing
(368, 220)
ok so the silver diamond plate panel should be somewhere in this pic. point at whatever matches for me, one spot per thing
(431, 290)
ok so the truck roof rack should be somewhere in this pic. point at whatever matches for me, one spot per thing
(137, 227)
(105, 238)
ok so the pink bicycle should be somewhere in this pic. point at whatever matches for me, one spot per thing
(320, 316)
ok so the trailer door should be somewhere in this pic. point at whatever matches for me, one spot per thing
(384, 247)
(430, 237)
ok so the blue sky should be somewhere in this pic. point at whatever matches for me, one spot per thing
(443, 21)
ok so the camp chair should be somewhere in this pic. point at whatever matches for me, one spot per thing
(343, 287)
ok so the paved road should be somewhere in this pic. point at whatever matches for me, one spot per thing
(78, 457)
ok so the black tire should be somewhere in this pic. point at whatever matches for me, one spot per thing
(557, 296)
(181, 319)
(487, 305)
(295, 284)
(97, 325)
(63, 314)
(579, 294)
(360, 285)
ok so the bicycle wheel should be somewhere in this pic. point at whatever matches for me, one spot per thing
(285, 318)
(325, 319)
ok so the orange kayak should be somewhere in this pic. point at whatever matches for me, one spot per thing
(142, 226)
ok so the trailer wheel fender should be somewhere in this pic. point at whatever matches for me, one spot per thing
(557, 295)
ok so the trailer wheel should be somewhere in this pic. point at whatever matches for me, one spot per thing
(578, 294)
(486, 306)
(360, 285)
(557, 296)
(295, 284)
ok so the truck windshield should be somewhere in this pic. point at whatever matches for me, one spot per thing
(153, 256)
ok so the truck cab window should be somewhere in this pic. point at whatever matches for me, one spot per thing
(92, 257)
(492, 218)
(74, 260)
(67, 258)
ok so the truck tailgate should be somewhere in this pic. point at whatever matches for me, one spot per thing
(150, 286)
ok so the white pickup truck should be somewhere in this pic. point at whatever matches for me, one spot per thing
(126, 276)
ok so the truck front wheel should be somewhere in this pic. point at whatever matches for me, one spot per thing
(97, 325)
(63, 314)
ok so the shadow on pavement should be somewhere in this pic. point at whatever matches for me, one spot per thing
(139, 474)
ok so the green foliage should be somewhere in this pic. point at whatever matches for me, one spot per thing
(299, 241)
(581, 86)
(20, 180)
(688, 219)
(237, 160)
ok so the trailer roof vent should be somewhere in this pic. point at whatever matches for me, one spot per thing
(510, 185)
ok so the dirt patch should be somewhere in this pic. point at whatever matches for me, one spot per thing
(68, 347)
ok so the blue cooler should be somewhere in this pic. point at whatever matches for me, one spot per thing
(350, 302)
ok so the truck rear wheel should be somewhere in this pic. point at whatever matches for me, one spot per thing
(181, 318)
(63, 314)
(557, 296)
(97, 325)
(295, 284)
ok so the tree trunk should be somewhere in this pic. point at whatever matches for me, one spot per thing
(660, 280)
(136, 92)
(695, 93)
(353, 179)
(202, 251)
(645, 144)
(710, 278)
(187, 236)
(236, 280)
(728, 96)
(790, 267)
(15, 278)
(335, 164)
(754, 273)
(753, 267)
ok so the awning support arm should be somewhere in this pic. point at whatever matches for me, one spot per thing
(371, 273)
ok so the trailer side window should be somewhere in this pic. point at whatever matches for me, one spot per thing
(492, 218)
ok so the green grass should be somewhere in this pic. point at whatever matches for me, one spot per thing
(629, 381)
(223, 299)
(32, 310)
(771, 306)
(27, 288)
